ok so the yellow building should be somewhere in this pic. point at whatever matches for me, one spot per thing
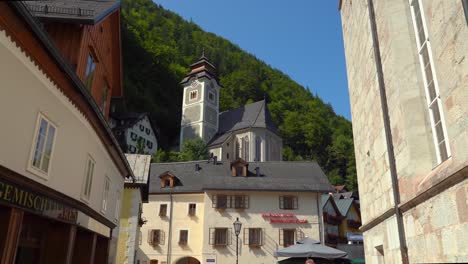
(192, 207)
(351, 217)
(135, 193)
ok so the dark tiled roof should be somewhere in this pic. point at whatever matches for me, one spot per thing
(344, 205)
(274, 176)
(255, 115)
(75, 11)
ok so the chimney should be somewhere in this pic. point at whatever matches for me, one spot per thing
(197, 167)
(257, 170)
(215, 160)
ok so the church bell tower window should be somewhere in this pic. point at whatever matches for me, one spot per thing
(193, 95)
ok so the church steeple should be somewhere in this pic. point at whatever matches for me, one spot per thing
(200, 106)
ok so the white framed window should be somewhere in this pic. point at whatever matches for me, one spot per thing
(431, 86)
(105, 195)
(42, 149)
(88, 181)
(193, 95)
(117, 206)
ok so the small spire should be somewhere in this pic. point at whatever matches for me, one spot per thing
(203, 54)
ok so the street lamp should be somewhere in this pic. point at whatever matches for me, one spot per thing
(237, 228)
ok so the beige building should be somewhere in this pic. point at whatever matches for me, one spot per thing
(192, 207)
(408, 85)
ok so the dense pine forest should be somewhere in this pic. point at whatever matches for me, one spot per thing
(159, 46)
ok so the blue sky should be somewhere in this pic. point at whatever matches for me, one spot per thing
(302, 38)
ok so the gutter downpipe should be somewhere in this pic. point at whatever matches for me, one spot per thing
(320, 221)
(169, 240)
(388, 133)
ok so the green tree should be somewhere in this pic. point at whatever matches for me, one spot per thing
(193, 149)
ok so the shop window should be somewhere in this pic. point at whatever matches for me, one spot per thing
(105, 195)
(163, 210)
(253, 237)
(88, 183)
(183, 237)
(89, 73)
(220, 236)
(288, 202)
(43, 146)
(192, 209)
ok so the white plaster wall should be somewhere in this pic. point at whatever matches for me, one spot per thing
(24, 93)
(180, 220)
(151, 137)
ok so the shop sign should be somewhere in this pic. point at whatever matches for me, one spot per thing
(284, 218)
(18, 196)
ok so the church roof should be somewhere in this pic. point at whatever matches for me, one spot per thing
(274, 176)
(75, 11)
(255, 115)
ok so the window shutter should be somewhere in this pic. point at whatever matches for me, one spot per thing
(150, 237)
(229, 201)
(299, 234)
(214, 200)
(263, 236)
(295, 202)
(162, 237)
(247, 201)
(281, 237)
(281, 202)
(228, 236)
(212, 236)
(246, 237)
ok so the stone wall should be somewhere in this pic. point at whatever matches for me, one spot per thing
(431, 226)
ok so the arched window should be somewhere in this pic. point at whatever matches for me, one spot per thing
(238, 150)
(258, 148)
(246, 148)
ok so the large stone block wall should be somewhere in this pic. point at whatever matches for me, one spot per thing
(371, 151)
(437, 230)
(415, 156)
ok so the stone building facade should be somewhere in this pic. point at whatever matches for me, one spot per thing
(408, 85)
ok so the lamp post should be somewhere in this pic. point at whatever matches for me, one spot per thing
(237, 228)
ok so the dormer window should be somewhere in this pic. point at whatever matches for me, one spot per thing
(239, 168)
(168, 180)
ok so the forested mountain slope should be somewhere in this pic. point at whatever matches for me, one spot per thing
(159, 46)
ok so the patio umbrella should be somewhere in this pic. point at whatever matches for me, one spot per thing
(307, 240)
(310, 250)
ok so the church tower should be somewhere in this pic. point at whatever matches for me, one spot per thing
(200, 105)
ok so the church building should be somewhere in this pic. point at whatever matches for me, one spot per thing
(247, 132)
